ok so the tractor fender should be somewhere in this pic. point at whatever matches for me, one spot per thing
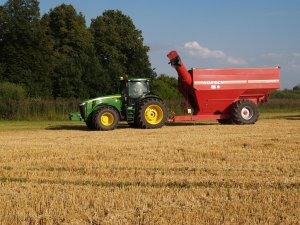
(97, 107)
(149, 96)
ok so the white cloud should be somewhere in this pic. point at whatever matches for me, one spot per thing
(296, 54)
(235, 61)
(289, 61)
(295, 65)
(272, 55)
(195, 49)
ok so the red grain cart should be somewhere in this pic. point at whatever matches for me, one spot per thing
(227, 95)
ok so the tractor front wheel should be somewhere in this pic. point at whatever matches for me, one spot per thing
(244, 112)
(152, 113)
(106, 118)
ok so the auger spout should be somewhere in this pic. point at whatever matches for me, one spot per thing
(183, 74)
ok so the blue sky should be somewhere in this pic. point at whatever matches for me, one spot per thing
(211, 33)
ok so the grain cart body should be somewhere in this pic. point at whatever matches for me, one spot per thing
(222, 94)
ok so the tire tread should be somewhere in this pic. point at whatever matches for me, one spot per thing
(236, 112)
(140, 119)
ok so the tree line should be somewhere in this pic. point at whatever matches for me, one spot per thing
(57, 56)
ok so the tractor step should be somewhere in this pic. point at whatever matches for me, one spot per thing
(130, 112)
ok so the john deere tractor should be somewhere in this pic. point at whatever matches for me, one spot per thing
(135, 104)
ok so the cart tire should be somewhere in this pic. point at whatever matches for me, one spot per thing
(106, 118)
(244, 112)
(151, 113)
(225, 121)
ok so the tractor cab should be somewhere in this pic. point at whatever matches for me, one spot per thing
(140, 108)
(134, 89)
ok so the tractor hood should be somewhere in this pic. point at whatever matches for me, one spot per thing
(87, 107)
(104, 99)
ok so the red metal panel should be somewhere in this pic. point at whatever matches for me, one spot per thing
(248, 78)
(199, 117)
(217, 89)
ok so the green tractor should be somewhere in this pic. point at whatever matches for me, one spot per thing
(135, 104)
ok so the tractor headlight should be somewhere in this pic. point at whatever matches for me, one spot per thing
(82, 109)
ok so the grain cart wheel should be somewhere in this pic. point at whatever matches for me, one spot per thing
(106, 118)
(244, 112)
(151, 113)
(225, 121)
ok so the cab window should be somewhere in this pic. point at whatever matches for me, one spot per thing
(137, 89)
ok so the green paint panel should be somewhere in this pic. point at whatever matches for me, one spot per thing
(75, 116)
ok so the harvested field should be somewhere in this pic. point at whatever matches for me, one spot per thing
(204, 173)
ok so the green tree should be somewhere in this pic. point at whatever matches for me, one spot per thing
(166, 87)
(76, 68)
(120, 49)
(297, 88)
(11, 96)
(23, 56)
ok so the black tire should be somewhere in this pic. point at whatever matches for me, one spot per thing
(244, 112)
(90, 125)
(225, 121)
(106, 118)
(151, 113)
(133, 125)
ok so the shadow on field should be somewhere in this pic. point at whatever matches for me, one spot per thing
(79, 127)
(68, 127)
(287, 117)
(126, 126)
(178, 124)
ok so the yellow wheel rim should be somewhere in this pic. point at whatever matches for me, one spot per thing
(107, 119)
(154, 114)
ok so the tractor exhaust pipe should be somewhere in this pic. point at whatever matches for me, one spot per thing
(183, 73)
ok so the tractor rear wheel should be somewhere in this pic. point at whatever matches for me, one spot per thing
(133, 125)
(151, 113)
(244, 112)
(106, 118)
